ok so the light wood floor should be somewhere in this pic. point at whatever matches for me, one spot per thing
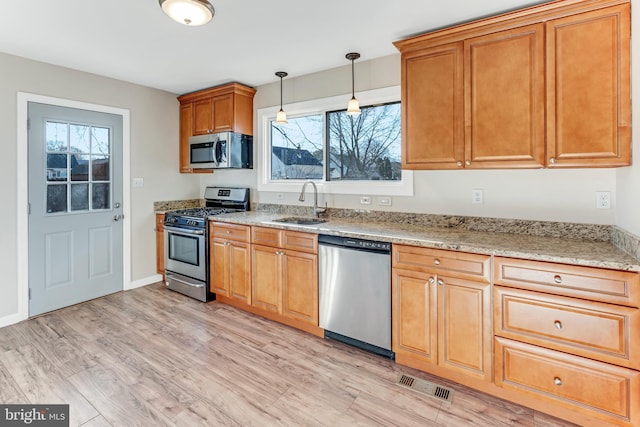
(153, 357)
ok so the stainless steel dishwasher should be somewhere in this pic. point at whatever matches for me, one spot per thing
(355, 292)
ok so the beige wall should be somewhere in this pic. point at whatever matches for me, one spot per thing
(154, 155)
(558, 195)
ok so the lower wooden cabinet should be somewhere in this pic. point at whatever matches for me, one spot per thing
(440, 319)
(230, 261)
(160, 243)
(285, 275)
(601, 390)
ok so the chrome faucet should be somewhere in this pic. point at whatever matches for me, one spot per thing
(316, 209)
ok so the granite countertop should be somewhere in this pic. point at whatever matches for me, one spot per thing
(554, 249)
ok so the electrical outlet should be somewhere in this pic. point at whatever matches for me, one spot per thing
(279, 196)
(384, 201)
(365, 200)
(138, 182)
(603, 200)
(477, 196)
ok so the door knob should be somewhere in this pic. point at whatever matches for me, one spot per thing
(118, 217)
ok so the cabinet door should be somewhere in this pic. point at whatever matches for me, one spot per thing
(219, 266)
(414, 315)
(186, 123)
(160, 243)
(240, 271)
(222, 113)
(267, 278)
(588, 98)
(464, 326)
(202, 116)
(504, 99)
(300, 287)
(432, 108)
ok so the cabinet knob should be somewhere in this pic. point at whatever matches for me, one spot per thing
(468, 163)
(436, 261)
(431, 280)
(557, 278)
(557, 381)
(440, 282)
(227, 243)
(459, 164)
(558, 324)
(552, 160)
(228, 231)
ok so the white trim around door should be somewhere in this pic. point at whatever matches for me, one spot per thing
(22, 193)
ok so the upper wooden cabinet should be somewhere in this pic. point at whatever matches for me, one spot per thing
(588, 93)
(219, 109)
(543, 86)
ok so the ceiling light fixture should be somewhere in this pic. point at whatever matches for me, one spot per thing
(281, 117)
(353, 109)
(188, 12)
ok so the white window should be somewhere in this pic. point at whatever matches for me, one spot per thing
(342, 154)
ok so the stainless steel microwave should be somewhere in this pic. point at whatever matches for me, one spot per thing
(221, 151)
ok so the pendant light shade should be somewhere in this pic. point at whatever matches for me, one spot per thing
(188, 12)
(353, 109)
(281, 117)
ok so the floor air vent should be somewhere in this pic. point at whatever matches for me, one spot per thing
(425, 387)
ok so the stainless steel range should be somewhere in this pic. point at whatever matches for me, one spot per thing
(186, 249)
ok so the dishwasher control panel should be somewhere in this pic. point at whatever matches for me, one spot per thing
(366, 244)
(348, 242)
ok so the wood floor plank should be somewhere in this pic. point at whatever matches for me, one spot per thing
(41, 383)
(151, 357)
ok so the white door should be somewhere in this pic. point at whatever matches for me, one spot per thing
(75, 199)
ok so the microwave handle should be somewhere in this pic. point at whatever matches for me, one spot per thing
(217, 152)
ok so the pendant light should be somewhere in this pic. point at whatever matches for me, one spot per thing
(281, 117)
(188, 12)
(353, 109)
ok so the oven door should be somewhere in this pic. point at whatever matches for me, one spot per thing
(185, 252)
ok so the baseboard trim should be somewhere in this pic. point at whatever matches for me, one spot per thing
(11, 319)
(144, 282)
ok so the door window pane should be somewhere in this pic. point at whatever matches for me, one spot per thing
(100, 143)
(56, 167)
(57, 136)
(79, 167)
(100, 168)
(296, 148)
(79, 197)
(100, 198)
(79, 138)
(365, 147)
(56, 198)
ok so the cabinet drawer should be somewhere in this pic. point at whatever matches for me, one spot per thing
(584, 385)
(601, 331)
(599, 284)
(266, 236)
(460, 264)
(241, 233)
(299, 241)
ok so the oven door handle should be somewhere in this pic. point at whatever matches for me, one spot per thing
(193, 285)
(184, 231)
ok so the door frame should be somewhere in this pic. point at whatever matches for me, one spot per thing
(23, 187)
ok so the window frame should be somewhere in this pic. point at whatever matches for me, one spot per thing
(403, 187)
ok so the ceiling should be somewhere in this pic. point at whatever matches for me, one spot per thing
(247, 41)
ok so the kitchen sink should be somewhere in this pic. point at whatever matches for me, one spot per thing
(300, 220)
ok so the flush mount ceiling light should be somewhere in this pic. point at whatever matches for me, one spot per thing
(353, 109)
(188, 12)
(281, 117)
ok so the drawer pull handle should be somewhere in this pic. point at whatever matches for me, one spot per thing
(558, 324)
(557, 279)
(557, 381)
(436, 261)
(431, 280)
